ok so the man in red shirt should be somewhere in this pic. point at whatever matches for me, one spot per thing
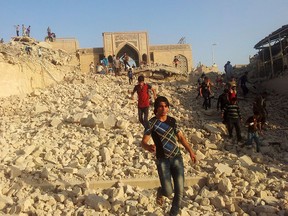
(142, 90)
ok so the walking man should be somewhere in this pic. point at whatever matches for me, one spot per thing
(165, 133)
(233, 116)
(142, 90)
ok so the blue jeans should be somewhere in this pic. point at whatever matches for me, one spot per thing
(143, 116)
(167, 168)
(253, 136)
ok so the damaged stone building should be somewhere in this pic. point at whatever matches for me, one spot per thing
(135, 44)
(272, 57)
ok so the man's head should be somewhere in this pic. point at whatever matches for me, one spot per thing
(140, 78)
(160, 105)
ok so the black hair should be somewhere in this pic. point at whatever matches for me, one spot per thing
(141, 78)
(157, 102)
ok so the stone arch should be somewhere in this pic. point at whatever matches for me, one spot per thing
(183, 64)
(131, 51)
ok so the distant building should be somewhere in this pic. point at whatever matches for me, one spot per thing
(135, 44)
(272, 57)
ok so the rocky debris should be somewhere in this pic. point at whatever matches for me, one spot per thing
(55, 141)
(27, 64)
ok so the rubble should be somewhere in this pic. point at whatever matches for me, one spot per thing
(58, 140)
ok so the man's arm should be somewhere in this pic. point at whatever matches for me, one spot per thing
(146, 146)
(133, 92)
(154, 93)
(186, 145)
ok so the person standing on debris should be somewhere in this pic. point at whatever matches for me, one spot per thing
(23, 30)
(28, 31)
(228, 71)
(165, 134)
(175, 61)
(259, 105)
(205, 92)
(17, 30)
(199, 82)
(91, 67)
(222, 101)
(130, 75)
(49, 31)
(254, 126)
(243, 81)
(125, 58)
(233, 116)
(142, 90)
(117, 65)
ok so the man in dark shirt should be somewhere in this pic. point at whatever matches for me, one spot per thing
(243, 81)
(232, 112)
(169, 162)
(223, 100)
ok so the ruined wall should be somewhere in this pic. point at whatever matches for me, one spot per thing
(89, 55)
(70, 45)
(25, 77)
(164, 54)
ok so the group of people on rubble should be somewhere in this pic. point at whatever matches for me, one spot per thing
(114, 66)
(228, 103)
(25, 31)
(164, 131)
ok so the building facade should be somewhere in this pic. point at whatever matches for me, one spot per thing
(136, 45)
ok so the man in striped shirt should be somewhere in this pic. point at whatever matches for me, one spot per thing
(233, 115)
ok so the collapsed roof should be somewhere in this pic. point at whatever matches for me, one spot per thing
(277, 35)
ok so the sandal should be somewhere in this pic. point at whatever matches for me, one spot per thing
(159, 197)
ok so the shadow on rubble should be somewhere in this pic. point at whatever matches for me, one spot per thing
(45, 188)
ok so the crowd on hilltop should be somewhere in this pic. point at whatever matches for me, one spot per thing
(228, 104)
(26, 32)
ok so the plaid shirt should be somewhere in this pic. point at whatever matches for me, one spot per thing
(164, 137)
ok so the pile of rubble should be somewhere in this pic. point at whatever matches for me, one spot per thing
(56, 142)
(26, 64)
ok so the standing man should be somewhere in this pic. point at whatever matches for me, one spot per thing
(17, 30)
(117, 65)
(23, 30)
(28, 31)
(243, 81)
(91, 67)
(125, 58)
(142, 90)
(49, 31)
(228, 71)
(175, 61)
(259, 105)
(165, 133)
(233, 116)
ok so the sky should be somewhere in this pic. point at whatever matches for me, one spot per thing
(217, 30)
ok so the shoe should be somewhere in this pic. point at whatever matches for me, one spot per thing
(159, 197)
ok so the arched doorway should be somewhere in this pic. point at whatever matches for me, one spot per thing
(183, 64)
(131, 52)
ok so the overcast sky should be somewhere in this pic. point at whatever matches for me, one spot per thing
(235, 26)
